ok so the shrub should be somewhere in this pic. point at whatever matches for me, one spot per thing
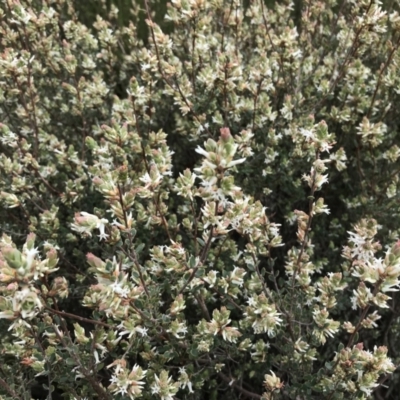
(200, 215)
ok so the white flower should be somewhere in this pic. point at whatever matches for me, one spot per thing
(119, 289)
(142, 331)
(251, 302)
(30, 256)
(201, 151)
(101, 227)
(146, 178)
(235, 162)
(308, 134)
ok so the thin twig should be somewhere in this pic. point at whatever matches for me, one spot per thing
(232, 382)
(382, 69)
(101, 392)
(364, 314)
(49, 397)
(132, 257)
(203, 256)
(132, 254)
(334, 81)
(77, 317)
(5, 386)
(308, 227)
(160, 70)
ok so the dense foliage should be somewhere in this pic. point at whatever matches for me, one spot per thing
(211, 213)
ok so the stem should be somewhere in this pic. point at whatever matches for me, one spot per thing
(350, 54)
(358, 326)
(225, 94)
(33, 107)
(363, 314)
(267, 293)
(132, 257)
(101, 392)
(193, 65)
(203, 307)
(147, 167)
(31, 120)
(5, 386)
(81, 109)
(280, 61)
(77, 317)
(160, 70)
(232, 382)
(307, 230)
(382, 69)
(164, 336)
(49, 397)
(255, 103)
(203, 256)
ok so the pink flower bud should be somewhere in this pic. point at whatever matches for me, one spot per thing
(225, 134)
(97, 181)
(94, 261)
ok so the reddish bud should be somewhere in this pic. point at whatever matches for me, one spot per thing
(225, 134)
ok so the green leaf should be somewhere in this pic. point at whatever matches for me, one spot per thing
(192, 261)
(139, 248)
(194, 352)
(70, 361)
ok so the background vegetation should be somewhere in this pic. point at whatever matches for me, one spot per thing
(203, 206)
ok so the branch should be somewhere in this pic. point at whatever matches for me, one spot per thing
(382, 69)
(232, 383)
(160, 70)
(98, 388)
(132, 256)
(77, 317)
(14, 395)
(203, 256)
